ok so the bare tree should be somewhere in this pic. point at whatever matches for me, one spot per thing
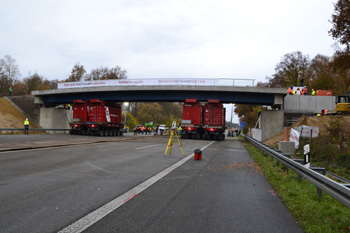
(292, 67)
(9, 72)
(106, 73)
(77, 74)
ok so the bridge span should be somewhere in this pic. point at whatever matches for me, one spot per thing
(169, 93)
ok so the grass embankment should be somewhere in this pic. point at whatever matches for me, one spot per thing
(12, 118)
(312, 213)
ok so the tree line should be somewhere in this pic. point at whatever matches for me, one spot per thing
(319, 73)
(10, 76)
(159, 113)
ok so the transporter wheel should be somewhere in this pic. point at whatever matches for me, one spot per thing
(121, 132)
(114, 133)
(71, 131)
(186, 136)
(198, 136)
(221, 137)
(84, 132)
(100, 133)
(182, 136)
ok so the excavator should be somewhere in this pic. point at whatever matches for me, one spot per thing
(342, 108)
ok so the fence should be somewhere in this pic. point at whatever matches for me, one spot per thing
(21, 130)
(315, 175)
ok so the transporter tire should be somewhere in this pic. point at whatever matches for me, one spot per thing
(121, 132)
(115, 133)
(71, 131)
(100, 133)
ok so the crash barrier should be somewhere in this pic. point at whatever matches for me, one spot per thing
(18, 130)
(315, 175)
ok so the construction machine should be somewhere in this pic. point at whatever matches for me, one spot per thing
(342, 106)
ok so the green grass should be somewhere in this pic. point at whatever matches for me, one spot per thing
(312, 213)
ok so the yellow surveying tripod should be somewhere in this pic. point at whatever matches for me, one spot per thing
(171, 140)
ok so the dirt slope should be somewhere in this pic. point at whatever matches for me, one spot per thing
(10, 117)
(322, 121)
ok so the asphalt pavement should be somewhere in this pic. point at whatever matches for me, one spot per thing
(50, 188)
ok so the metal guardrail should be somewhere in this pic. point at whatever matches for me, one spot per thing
(316, 176)
(35, 130)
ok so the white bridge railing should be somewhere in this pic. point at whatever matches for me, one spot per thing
(160, 82)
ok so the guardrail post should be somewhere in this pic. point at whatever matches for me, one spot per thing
(319, 192)
(278, 162)
(287, 156)
(299, 178)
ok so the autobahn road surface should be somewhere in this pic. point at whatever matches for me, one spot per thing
(125, 184)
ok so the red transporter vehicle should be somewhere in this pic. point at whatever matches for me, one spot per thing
(192, 119)
(214, 120)
(80, 117)
(203, 122)
(104, 118)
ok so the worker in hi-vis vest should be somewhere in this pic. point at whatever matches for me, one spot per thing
(26, 126)
(259, 112)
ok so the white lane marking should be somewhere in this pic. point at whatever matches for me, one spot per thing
(101, 212)
(147, 146)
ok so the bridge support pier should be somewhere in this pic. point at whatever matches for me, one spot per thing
(55, 118)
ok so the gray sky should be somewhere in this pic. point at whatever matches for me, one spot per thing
(163, 39)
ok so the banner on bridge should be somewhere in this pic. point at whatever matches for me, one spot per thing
(141, 82)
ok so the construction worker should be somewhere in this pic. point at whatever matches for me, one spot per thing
(313, 92)
(179, 130)
(318, 114)
(26, 126)
(289, 91)
(259, 112)
(10, 90)
(293, 92)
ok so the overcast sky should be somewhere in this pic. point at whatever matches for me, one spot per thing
(163, 39)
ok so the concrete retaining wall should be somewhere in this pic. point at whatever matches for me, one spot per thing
(272, 123)
(26, 104)
(308, 104)
(55, 118)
